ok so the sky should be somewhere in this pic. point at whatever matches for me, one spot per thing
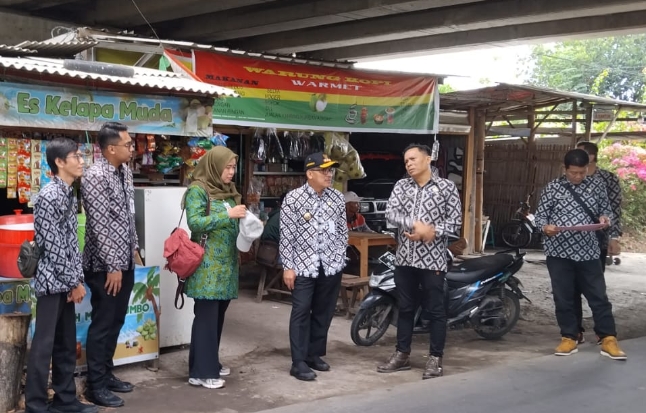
(473, 69)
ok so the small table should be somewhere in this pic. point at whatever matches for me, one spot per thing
(364, 240)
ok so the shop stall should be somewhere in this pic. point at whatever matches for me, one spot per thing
(41, 99)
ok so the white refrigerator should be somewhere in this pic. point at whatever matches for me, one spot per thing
(157, 213)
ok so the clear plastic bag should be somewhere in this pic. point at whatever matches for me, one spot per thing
(258, 152)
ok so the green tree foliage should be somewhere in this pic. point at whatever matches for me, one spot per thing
(613, 66)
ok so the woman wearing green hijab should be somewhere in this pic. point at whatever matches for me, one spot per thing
(215, 283)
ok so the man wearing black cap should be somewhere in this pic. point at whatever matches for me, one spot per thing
(313, 240)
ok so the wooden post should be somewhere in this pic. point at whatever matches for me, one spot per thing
(588, 123)
(13, 347)
(480, 133)
(468, 187)
(575, 114)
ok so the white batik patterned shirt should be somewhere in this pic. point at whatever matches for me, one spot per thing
(436, 203)
(313, 231)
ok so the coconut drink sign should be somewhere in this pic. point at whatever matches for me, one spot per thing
(286, 95)
(77, 109)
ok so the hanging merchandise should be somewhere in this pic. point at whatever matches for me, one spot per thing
(168, 158)
(198, 147)
(12, 168)
(258, 151)
(275, 153)
(340, 150)
(435, 150)
(36, 161)
(87, 151)
(3, 162)
(45, 171)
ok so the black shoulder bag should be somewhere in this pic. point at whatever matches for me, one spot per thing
(601, 236)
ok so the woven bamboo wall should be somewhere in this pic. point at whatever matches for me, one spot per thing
(509, 178)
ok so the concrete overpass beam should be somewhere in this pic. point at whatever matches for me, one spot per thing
(436, 21)
(272, 17)
(123, 13)
(16, 28)
(553, 30)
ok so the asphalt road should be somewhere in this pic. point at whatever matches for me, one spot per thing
(584, 382)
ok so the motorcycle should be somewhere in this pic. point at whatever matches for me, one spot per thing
(480, 292)
(520, 231)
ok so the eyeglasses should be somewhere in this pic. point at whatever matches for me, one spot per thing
(78, 156)
(326, 171)
(129, 145)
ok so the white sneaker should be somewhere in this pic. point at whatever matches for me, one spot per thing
(208, 383)
(225, 371)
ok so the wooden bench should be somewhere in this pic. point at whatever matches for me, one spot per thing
(355, 285)
(267, 258)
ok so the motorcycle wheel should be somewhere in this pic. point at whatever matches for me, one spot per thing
(516, 235)
(375, 320)
(511, 307)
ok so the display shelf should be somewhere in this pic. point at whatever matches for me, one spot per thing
(279, 173)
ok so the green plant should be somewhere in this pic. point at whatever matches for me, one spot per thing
(629, 163)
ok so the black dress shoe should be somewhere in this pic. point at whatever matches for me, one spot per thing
(75, 407)
(302, 372)
(317, 364)
(104, 397)
(116, 385)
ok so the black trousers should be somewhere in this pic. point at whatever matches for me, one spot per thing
(313, 304)
(108, 315)
(578, 300)
(408, 281)
(565, 275)
(54, 339)
(203, 356)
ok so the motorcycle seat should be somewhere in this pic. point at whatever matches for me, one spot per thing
(478, 269)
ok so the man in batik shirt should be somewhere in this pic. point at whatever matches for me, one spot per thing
(108, 258)
(313, 239)
(425, 208)
(610, 242)
(573, 200)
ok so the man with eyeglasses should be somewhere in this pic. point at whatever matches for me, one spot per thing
(313, 239)
(108, 258)
(58, 285)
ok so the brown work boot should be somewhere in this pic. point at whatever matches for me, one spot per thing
(567, 347)
(610, 348)
(398, 362)
(433, 368)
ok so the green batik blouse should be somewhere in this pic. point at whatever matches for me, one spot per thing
(217, 276)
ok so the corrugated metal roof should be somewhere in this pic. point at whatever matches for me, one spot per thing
(6, 50)
(506, 97)
(143, 77)
(58, 49)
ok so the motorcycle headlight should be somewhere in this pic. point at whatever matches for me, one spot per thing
(375, 280)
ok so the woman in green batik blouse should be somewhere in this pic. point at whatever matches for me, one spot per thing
(215, 283)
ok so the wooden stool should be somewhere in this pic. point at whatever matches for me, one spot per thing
(356, 285)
